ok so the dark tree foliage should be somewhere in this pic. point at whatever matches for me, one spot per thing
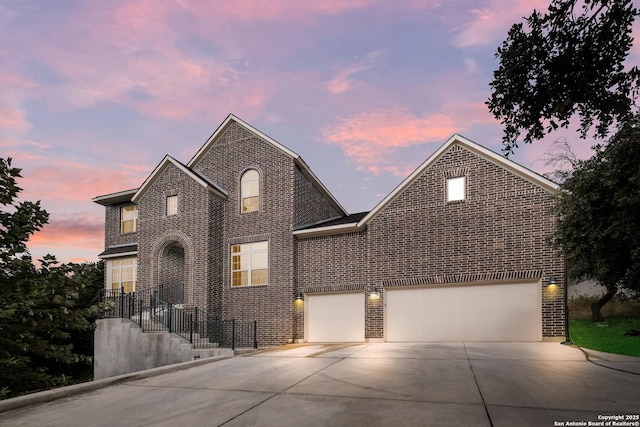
(567, 61)
(599, 216)
(46, 312)
(18, 221)
(90, 280)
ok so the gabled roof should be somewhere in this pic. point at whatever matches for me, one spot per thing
(168, 160)
(296, 158)
(115, 198)
(456, 139)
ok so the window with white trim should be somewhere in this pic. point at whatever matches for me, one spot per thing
(172, 205)
(128, 219)
(250, 264)
(122, 274)
(456, 189)
(250, 191)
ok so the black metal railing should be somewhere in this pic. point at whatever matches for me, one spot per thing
(149, 310)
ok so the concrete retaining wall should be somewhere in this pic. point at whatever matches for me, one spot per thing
(121, 347)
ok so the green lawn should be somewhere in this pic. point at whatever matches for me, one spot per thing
(607, 336)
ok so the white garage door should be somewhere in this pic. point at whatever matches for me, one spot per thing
(505, 312)
(334, 317)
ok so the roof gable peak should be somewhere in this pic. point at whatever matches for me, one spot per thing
(455, 139)
(162, 166)
(221, 130)
(474, 147)
(296, 158)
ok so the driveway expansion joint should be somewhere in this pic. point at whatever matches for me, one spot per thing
(339, 359)
(475, 378)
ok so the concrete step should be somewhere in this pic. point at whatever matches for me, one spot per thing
(196, 338)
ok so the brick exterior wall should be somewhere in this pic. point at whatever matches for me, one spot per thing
(234, 152)
(216, 253)
(310, 206)
(498, 233)
(172, 267)
(500, 227)
(334, 263)
(112, 235)
(188, 229)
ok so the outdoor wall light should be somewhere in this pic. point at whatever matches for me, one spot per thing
(374, 293)
(552, 281)
(299, 296)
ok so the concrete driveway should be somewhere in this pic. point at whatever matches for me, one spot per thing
(376, 384)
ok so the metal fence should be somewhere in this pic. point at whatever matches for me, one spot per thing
(151, 312)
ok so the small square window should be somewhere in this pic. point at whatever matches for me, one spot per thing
(172, 205)
(455, 189)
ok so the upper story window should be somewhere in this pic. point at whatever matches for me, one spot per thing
(129, 219)
(250, 191)
(172, 205)
(456, 189)
(250, 264)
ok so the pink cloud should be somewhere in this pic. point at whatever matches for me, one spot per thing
(131, 53)
(401, 171)
(64, 181)
(65, 186)
(368, 138)
(139, 53)
(291, 11)
(173, 85)
(15, 81)
(246, 98)
(280, 10)
(141, 39)
(468, 113)
(490, 24)
(78, 231)
(24, 150)
(342, 81)
(13, 118)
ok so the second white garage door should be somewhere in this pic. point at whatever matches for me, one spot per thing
(334, 317)
(496, 312)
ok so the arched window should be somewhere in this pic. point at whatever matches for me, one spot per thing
(250, 190)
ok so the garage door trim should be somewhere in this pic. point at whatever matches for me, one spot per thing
(354, 316)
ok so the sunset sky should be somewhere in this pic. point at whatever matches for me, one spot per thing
(93, 94)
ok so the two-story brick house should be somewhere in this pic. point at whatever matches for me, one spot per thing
(457, 251)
